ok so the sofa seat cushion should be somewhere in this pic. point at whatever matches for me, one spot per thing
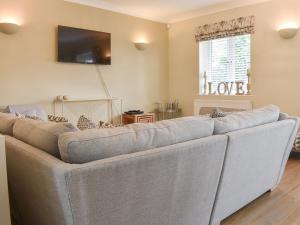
(41, 134)
(90, 145)
(7, 122)
(246, 119)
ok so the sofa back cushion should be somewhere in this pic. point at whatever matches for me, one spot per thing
(90, 145)
(7, 122)
(246, 119)
(41, 134)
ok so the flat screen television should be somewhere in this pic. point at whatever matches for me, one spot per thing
(83, 46)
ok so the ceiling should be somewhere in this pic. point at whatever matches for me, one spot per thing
(166, 11)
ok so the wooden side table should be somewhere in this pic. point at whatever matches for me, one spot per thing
(140, 118)
(4, 200)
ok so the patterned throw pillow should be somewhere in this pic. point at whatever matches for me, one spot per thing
(19, 115)
(33, 117)
(84, 123)
(217, 113)
(108, 125)
(57, 119)
(296, 147)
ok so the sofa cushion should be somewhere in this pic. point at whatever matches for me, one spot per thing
(246, 119)
(29, 110)
(7, 122)
(217, 112)
(41, 134)
(95, 144)
(283, 116)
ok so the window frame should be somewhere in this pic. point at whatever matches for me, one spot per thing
(248, 90)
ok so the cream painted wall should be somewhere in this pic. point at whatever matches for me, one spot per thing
(29, 72)
(275, 62)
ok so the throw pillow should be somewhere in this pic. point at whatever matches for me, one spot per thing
(57, 119)
(108, 125)
(25, 109)
(30, 114)
(217, 113)
(84, 123)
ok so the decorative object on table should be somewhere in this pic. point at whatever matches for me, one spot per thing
(134, 112)
(59, 98)
(138, 118)
(168, 110)
(84, 123)
(57, 119)
(226, 88)
(172, 106)
(217, 112)
(66, 98)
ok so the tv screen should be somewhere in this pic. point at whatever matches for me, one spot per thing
(83, 46)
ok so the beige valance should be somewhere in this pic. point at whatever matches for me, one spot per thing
(239, 26)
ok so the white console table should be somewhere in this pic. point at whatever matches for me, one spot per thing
(81, 100)
(4, 202)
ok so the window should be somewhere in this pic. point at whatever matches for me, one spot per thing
(224, 60)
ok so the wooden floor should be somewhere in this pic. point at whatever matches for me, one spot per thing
(281, 207)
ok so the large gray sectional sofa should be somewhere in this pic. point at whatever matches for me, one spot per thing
(187, 171)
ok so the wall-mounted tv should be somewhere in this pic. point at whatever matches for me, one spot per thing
(83, 46)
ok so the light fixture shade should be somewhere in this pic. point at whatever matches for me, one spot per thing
(141, 46)
(288, 33)
(9, 28)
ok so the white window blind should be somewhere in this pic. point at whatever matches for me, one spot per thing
(224, 60)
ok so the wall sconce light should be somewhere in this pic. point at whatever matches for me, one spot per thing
(288, 31)
(141, 45)
(9, 28)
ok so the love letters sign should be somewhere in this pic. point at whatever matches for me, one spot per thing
(225, 88)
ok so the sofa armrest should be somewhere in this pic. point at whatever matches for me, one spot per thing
(37, 185)
(289, 146)
(4, 204)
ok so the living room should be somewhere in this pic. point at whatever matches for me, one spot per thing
(166, 61)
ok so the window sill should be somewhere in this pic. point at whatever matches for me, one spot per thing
(227, 96)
